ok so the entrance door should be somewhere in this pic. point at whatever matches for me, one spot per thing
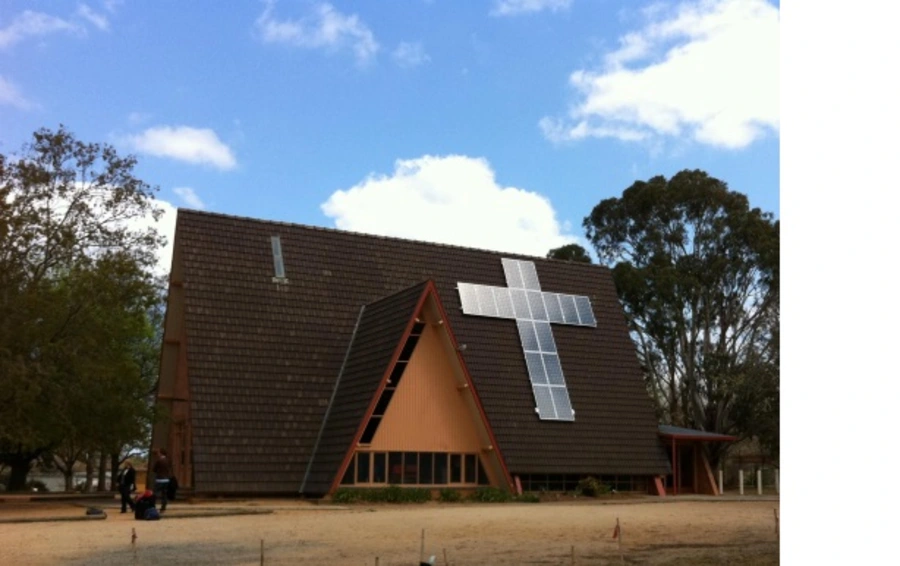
(686, 455)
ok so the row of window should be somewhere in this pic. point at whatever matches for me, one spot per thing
(569, 482)
(415, 468)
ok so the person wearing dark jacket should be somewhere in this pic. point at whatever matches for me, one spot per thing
(126, 485)
(161, 473)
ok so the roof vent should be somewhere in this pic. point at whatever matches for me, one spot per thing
(279, 261)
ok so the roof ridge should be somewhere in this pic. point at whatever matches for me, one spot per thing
(512, 255)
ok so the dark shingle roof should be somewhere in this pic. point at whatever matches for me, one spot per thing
(377, 339)
(263, 357)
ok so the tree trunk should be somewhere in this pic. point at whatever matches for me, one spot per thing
(101, 473)
(18, 474)
(67, 475)
(89, 475)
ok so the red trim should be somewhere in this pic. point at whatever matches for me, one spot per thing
(468, 376)
(390, 368)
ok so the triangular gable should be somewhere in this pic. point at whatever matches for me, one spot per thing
(381, 326)
(357, 380)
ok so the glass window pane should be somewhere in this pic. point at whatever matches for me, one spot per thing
(520, 303)
(379, 472)
(395, 468)
(554, 370)
(468, 299)
(535, 368)
(583, 306)
(529, 276)
(554, 311)
(426, 469)
(504, 303)
(470, 468)
(511, 270)
(362, 467)
(543, 400)
(440, 468)
(570, 315)
(410, 468)
(545, 336)
(527, 335)
(455, 468)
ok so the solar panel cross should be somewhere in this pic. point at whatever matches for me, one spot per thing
(533, 310)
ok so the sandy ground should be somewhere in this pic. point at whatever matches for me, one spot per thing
(654, 533)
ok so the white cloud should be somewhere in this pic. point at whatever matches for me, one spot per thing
(516, 7)
(706, 71)
(323, 28)
(99, 20)
(451, 199)
(189, 197)
(165, 226)
(410, 55)
(194, 145)
(34, 24)
(11, 96)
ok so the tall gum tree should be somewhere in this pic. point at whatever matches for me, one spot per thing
(696, 270)
(76, 250)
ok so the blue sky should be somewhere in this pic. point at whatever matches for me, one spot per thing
(495, 124)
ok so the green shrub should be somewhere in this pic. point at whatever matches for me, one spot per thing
(448, 495)
(592, 487)
(390, 494)
(529, 497)
(491, 495)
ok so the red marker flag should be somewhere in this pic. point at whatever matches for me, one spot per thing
(616, 530)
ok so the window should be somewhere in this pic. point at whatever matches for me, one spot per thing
(410, 467)
(362, 467)
(395, 467)
(455, 468)
(440, 468)
(426, 468)
(278, 258)
(379, 471)
(470, 468)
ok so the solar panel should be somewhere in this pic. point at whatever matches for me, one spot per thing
(554, 311)
(528, 336)
(520, 303)
(468, 298)
(553, 369)
(513, 275)
(486, 301)
(536, 302)
(544, 336)
(504, 303)
(562, 404)
(543, 401)
(585, 313)
(529, 276)
(536, 371)
(570, 314)
(534, 310)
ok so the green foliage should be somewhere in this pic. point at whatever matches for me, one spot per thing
(528, 497)
(697, 271)
(76, 295)
(448, 495)
(592, 487)
(491, 495)
(570, 252)
(390, 494)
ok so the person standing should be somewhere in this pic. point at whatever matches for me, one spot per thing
(126, 485)
(161, 473)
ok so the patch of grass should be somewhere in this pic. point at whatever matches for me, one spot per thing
(592, 487)
(529, 497)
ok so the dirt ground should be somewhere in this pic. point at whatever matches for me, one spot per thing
(654, 533)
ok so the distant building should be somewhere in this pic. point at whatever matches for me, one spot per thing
(300, 359)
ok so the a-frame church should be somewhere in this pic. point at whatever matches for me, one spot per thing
(299, 360)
